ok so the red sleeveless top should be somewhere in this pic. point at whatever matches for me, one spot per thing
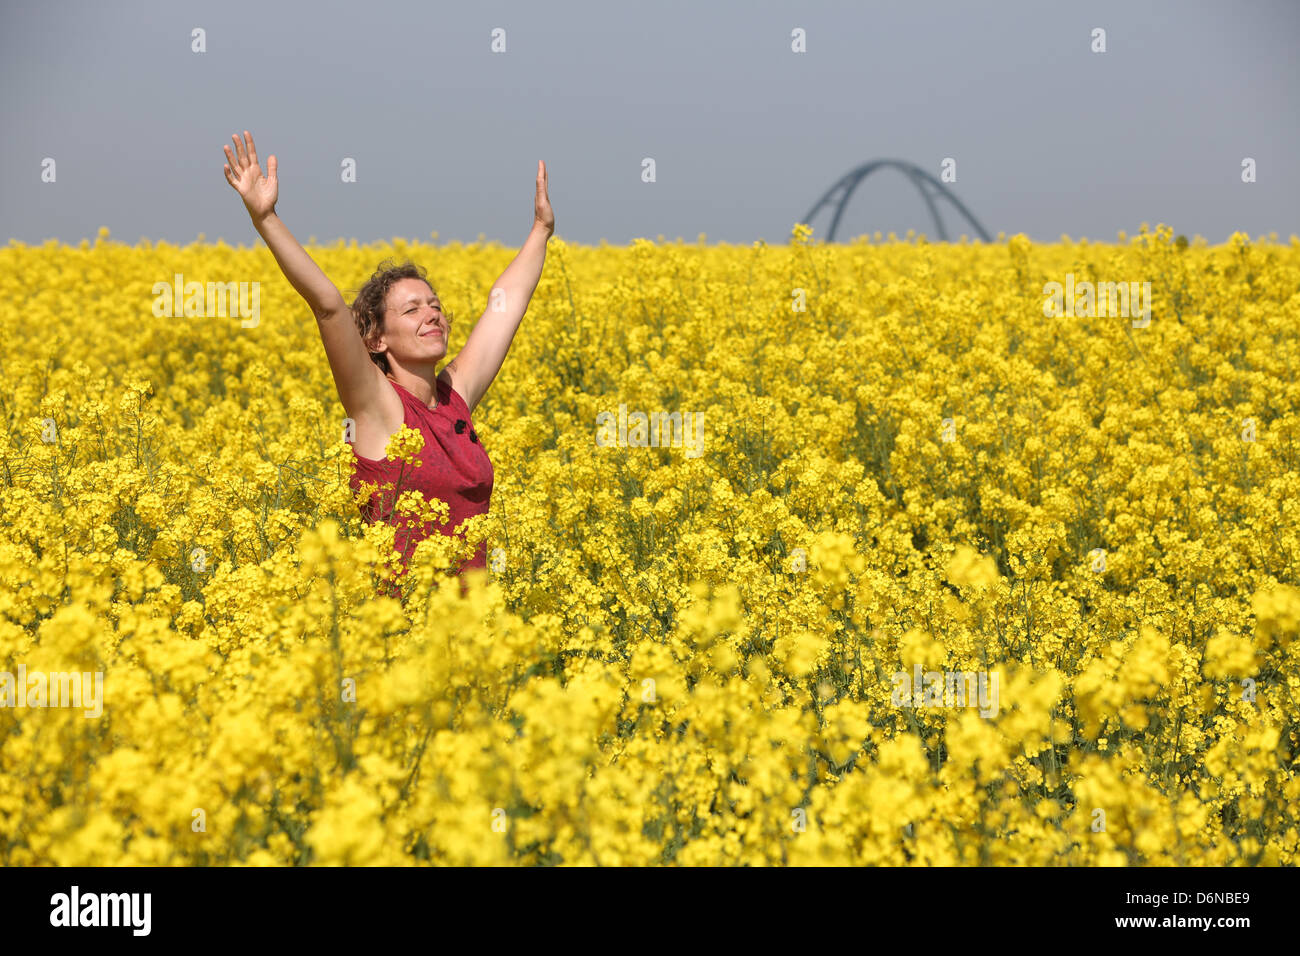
(454, 467)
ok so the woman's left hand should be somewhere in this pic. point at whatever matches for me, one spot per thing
(542, 215)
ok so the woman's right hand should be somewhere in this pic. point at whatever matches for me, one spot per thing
(242, 172)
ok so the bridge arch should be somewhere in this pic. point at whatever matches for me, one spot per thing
(927, 185)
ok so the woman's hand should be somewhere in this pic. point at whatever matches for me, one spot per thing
(258, 192)
(542, 215)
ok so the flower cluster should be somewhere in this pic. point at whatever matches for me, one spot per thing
(907, 470)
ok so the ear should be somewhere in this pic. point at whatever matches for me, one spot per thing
(375, 342)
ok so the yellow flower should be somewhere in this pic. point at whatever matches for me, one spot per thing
(403, 445)
(1227, 655)
(799, 651)
(968, 568)
(1277, 613)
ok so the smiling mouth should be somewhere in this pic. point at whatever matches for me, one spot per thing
(431, 332)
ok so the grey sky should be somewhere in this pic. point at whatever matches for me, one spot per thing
(1049, 137)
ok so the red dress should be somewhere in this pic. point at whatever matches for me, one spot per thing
(454, 467)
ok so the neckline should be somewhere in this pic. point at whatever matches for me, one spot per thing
(438, 383)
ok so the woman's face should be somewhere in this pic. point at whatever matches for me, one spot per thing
(415, 328)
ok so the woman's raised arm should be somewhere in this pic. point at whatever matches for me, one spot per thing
(360, 383)
(478, 362)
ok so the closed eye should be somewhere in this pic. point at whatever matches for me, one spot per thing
(415, 305)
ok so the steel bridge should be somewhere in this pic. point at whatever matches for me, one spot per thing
(926, 184)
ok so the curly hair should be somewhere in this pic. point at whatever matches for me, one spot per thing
(368, 306)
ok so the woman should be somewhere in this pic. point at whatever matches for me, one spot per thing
(384, 350)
